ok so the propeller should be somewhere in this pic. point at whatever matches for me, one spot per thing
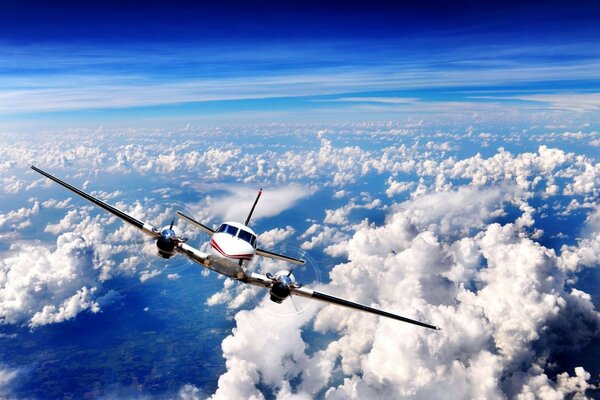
(282, 284)
(168, 241)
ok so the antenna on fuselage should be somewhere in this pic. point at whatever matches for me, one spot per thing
(253, 207)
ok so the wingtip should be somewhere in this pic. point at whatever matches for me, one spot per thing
(437, 328)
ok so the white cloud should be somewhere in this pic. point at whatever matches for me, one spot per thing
(390, 100)
(495, 292)
(579, 102)
(190, 392)
(7, 378)
(80, 301)
(499, 295)
(236, 205)
(539, 386)
(40, 286)
(395, 187)
(12, 185)
(16, 217)
(149, 274)
(457, 212)
(270, 238)
(587, 252)
(53, 203)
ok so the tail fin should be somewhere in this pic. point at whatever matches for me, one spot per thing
(253, 207)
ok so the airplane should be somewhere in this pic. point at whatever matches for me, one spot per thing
(231, 244)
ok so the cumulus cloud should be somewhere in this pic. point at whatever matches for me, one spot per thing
(16, 217)
(500, 296)
(395, 187)
(496, 292)
(587, 252)
(40, 286)
(274, 236)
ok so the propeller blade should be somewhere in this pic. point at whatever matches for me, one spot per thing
(294, 304)
(172, 223)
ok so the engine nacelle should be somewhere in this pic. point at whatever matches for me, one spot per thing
(282, 286)
(167, 242)
(166, 247)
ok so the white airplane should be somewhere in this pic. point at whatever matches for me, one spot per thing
(230, 245)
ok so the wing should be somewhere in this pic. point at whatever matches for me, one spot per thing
(270, 254)
(256, 279)
(312, 294)
(200, 225)
(144, 227)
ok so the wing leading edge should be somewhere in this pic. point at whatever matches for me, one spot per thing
(146, 228)
(298, 290)
(312, 294)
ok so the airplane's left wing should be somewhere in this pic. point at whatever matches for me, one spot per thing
(313, 294)
(282, 286)
(142, 226)
(277, 256)
(200, 225)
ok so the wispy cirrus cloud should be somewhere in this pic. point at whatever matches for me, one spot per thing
(64, 79)
(579, 102)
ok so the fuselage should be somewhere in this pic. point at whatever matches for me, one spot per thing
(231, 243)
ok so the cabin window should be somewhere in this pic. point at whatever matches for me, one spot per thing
(248, 237)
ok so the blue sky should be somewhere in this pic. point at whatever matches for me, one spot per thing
(435, 159)
(121, 64)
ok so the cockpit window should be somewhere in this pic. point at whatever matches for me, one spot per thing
(232, 230)
(248, 237)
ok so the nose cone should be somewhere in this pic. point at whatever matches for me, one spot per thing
(229, 246)
(167, 233)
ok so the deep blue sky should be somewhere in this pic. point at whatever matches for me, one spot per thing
(89, 63)
(206, 22)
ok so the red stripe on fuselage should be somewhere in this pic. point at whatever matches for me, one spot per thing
(215, 246)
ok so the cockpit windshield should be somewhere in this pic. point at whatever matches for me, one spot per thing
(233, 231)
(248, 237)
